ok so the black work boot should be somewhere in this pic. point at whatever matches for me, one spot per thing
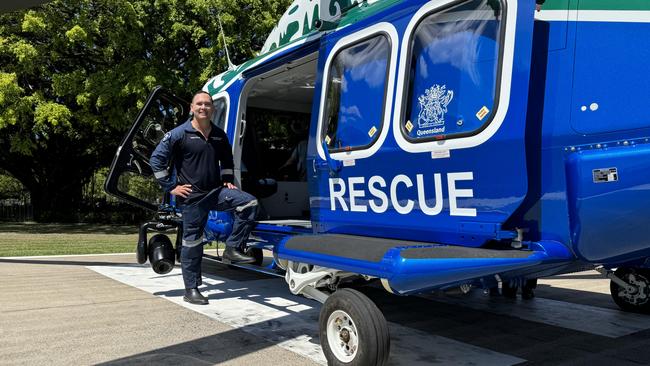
(233, 255)
(193, 296)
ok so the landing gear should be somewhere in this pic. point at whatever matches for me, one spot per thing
(528, 289)
(509, 289)
(635, 297)
(257, 254)
(352, 330)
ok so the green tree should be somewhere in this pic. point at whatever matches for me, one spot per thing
(74, 73)
(11, 188)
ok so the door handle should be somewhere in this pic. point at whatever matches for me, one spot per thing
(242, 132)
(319, 165)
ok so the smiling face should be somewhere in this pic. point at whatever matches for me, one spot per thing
(202, 107)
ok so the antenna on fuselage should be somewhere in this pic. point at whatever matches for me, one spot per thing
(231, 66)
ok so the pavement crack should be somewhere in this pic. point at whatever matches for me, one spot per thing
(74, 305)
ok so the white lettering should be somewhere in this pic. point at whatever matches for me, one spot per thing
(431, 131)
(393, 194)
(355, 193)
(383, 198)
(455, 193)
(379, 201)
(334, 195)
(422, 198)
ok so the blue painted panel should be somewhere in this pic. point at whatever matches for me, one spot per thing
(609, 221)
(611, 82)
(558, 31)
(410, 276)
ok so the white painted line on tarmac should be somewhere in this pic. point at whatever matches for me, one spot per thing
(584, 318)
(67, 256)
(266, 308)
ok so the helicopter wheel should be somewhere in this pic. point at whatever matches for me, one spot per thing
(353, 331)
(636, 300)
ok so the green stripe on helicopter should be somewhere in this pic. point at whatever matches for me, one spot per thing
(629, 5)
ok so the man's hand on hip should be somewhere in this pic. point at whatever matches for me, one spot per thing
(230, 186)
(182, 191)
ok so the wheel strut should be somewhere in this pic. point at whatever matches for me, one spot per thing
(612, 276)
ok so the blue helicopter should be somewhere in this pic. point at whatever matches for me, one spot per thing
(428, 145)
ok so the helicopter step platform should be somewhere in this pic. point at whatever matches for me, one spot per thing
(268, 270)
(413, 267)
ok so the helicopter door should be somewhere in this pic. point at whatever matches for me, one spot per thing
(425, 141)
(131, 177)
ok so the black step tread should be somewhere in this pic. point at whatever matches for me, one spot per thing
(373, 249)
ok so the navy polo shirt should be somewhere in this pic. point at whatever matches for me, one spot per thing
(203, 163)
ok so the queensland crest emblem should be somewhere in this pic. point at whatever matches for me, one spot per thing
(433, 106)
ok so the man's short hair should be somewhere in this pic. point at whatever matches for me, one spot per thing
(201, 92)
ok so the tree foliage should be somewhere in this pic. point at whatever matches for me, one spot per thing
(10, 188)
(74, 73)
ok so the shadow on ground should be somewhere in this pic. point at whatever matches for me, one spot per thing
(210, 350)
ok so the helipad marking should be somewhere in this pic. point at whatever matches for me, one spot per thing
(252, 306)
(584, 318)
(65, 256)
(266, 308)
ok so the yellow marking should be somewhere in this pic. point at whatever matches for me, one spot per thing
(372, 131)
(482, 113)
(409, 126)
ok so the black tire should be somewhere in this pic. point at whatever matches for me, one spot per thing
(637, 302)
(367, 326)
(256, 253)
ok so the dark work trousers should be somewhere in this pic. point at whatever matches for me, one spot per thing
(195, 216)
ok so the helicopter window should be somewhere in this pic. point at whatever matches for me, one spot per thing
(454, 68)
(220, 110)
(356, 90)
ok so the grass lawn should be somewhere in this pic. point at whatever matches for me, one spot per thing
(27, 239)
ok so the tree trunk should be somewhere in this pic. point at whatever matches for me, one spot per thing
(54, 177)
(56, 203)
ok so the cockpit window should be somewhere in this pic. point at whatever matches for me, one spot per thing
(220, 109)
(454, 72)
(356, 94)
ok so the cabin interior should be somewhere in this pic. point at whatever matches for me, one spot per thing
(278, 114)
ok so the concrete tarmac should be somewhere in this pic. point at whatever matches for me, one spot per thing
(55, 311)
(106, 310)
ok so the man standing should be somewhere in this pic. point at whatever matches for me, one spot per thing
(194, 163)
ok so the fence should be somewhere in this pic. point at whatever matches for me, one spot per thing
(17, 212)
